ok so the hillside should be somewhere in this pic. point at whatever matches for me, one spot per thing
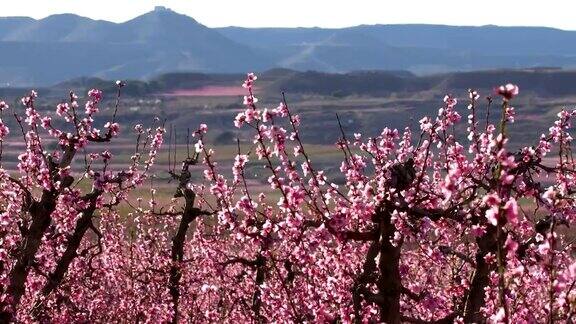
(151, 44)
(541, 82)
(366, 101)
(65, 46)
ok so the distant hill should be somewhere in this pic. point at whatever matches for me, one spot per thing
(418, 48)
(61, 47)
(543, 82)
(66, 46)
(365, 100)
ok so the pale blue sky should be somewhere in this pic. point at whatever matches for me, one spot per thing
(323, 13)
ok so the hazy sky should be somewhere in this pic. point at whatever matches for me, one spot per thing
(323, 13)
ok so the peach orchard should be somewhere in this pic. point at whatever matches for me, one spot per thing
(428, 227)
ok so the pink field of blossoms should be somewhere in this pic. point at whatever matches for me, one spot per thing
(429, 226)
(207, 91)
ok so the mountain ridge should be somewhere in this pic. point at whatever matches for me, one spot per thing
(59, 47)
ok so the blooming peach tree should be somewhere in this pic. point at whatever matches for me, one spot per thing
(428, 227)
(46, 215)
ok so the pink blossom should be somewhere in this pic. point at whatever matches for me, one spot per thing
(511, 210)
(95, 95)
(250, 78)
(478, 230)
(62, 109)
(113, 128)
(4, 130)
(507, 91)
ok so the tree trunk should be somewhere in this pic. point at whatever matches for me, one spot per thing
(41, 217)
(389, 283)
(177, 257)
(480, 280)
(178, 241)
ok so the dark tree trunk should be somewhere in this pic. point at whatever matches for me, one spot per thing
(177, 255)
(389, 282)
(475, 300)
(41, 217)
(257, 296)
(179, 240)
